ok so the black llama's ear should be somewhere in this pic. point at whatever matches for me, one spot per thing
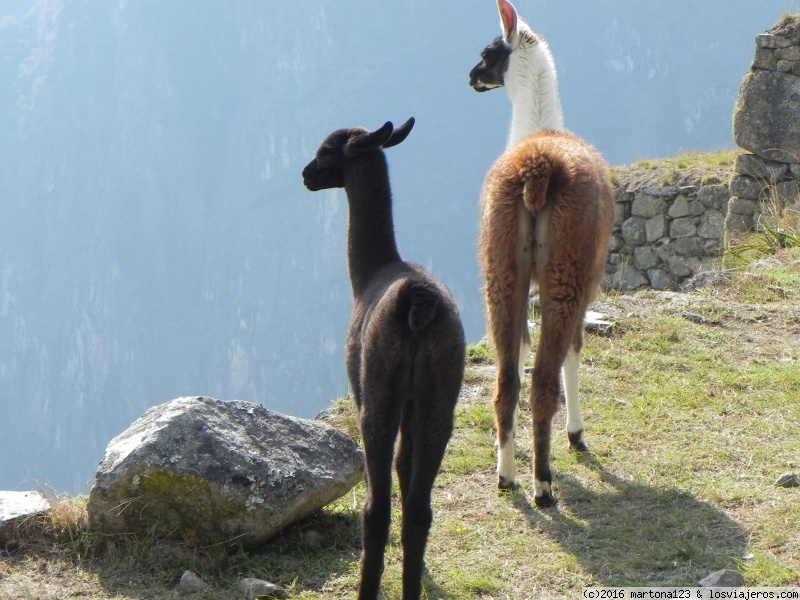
(400, 133)
(372, 140)
(508, 20)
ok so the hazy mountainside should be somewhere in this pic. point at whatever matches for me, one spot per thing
(155, 238)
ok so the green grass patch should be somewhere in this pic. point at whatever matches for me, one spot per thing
(689, 421)
(480, 353)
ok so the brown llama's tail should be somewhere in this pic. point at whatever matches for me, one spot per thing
(535, 174)
(424, 301)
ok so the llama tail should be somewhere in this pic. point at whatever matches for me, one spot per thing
(424, 302)
(536, 175)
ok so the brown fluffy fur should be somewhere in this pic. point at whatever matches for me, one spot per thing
(558, 179)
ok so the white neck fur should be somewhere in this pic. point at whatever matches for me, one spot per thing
(532, 85)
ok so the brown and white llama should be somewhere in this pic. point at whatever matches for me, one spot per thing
(546, 216)
(404, 352)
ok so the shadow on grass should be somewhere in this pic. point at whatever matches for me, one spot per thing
(636, 535)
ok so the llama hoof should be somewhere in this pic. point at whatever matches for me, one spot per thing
(505, 484)
(546, 500)
(576, 441)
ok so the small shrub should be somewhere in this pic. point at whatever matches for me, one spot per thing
(480, 353)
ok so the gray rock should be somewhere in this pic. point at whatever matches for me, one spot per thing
(742, 206)
(788, 480)
(623, 196)
(698, 264)
(647, 205)
(660, 279)
(190, 582)
(17, 507)
(633, 231)
(679, 267)
(621, 212)
(764, 264)
(696, 208)
(689, 246)
(787, 191)
(662, 191)
(750, 165)
(743, 186)
(723, 578)
(615, 243)
(627, 279)
(765, 59)
(767, 40)
(656, 228)
(251, 589)
(706, 279)
(765, 116)
(714, 197)
(224, 471)
(712, 225)
(788, 53)
(713, 246)
(645, 257)
(679, 208)
(683, 227)
(736, 223)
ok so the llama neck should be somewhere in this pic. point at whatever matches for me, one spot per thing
(370, 230)
(532, 85)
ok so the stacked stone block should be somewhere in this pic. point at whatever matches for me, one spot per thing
(665, 235)
(766, 124)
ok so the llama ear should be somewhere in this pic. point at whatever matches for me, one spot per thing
(372, 140)
(399, 133)
(508, 19)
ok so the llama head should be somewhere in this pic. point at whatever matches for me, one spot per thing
(326, 170)
(517, 38)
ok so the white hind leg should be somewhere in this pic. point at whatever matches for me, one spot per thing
(569, 374)
(506, 467)
(524, 349)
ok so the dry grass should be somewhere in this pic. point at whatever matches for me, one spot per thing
(691, 408)
(688, 168)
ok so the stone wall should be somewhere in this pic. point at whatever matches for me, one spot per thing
(665, 234)
(766, 125)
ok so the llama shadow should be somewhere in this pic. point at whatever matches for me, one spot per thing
(629, 534)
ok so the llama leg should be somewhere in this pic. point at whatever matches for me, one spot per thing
(506, 467)
(379, 432)
(507, 389)
(569, 374)
(432, 431)
(413, 542)
(375, 520)
(559, 318)
(544, 404)
(507, 288)
(525, 344)
(417, 519)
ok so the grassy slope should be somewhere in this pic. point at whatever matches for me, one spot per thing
(691, 409)
(692, 413)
